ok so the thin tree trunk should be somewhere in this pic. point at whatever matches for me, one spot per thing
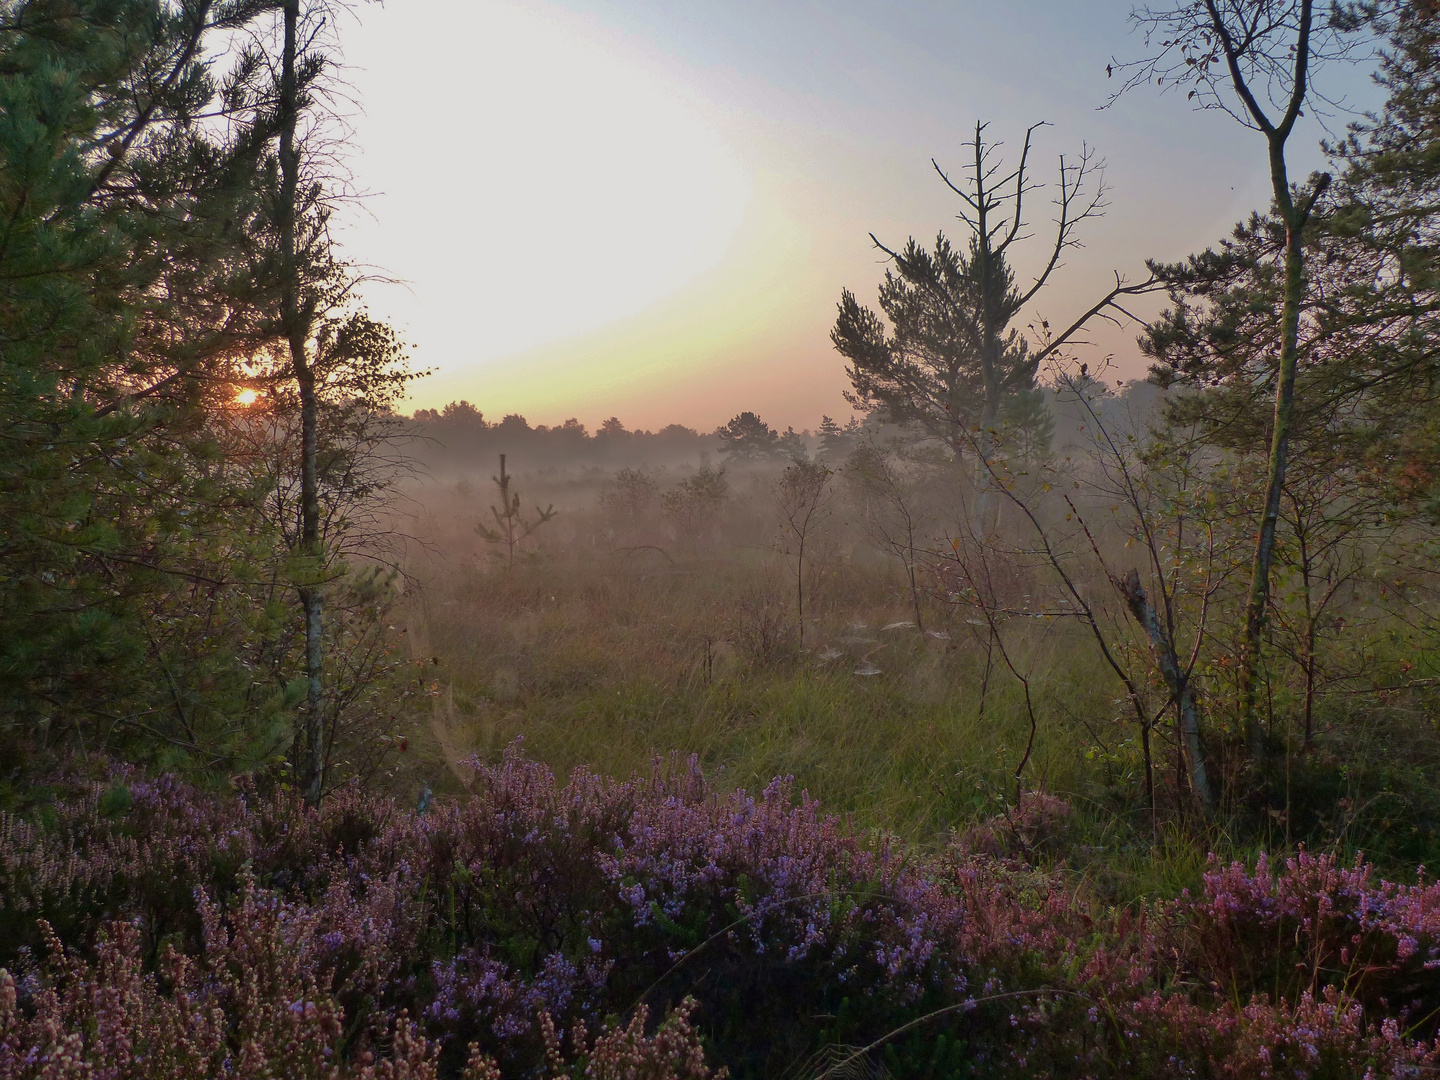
(914, 590)
(311, 596)
(1147, 754)
(915, 601)
(1257, 606)
(1276, 135)
(990, 410)
(989, 352)
(989, 666)
(800, 588)
(1310, 620)
(296, 322)
(1175, 681)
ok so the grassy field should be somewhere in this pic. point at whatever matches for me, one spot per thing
(610, 643)
(608, 654)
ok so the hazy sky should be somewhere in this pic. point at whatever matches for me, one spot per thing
(648, 209)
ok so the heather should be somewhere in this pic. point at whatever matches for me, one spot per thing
(537, 926)
(1026, 720)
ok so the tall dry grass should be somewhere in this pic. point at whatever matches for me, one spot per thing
(607, 647)
(622, 634)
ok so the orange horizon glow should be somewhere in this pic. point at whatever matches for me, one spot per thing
(653, 215)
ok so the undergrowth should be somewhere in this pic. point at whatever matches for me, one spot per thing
(531, 929)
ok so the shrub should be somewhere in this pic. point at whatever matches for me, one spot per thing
(693, 506)
(164, 932)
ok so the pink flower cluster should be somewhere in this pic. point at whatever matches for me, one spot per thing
(150, 930)
(1316, 924)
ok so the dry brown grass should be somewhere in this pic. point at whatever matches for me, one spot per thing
(612, 643)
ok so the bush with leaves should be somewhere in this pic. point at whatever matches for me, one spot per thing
(363, 936)
(693, 506)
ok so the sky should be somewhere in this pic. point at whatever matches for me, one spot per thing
(648, 208)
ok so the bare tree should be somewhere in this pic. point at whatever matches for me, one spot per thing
(1051, 551)
(693, 506)
(971, 561)
(951, 343)
(995, 215)
(1333, 526)
(887, 500)
(1167, 597)
(804, 499)
(1122, 476)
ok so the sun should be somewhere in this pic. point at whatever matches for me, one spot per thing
(247, 397)
(606, 187)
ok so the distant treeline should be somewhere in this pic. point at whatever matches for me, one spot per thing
(458, 439)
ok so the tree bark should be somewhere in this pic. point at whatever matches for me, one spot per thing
(1258, 602)
(1276, 136)
(1176, 681)
(296, 323)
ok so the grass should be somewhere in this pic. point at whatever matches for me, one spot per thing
(611, 644)
(609, 661)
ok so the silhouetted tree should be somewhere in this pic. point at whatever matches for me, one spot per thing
(126, 286)
(949, 357)
(511, 526)
(804, 496)
(462, 412)
(630, 502)
(694, 504)
(791, 444)
(836, 442)
(748, 438)
(1027, 426)
(887, 491)
(300, 221)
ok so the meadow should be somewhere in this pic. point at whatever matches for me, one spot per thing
(604, 652)
(621, 635)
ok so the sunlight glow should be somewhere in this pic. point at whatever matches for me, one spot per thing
(580, 189)
(247, 397)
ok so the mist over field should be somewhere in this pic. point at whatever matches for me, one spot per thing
(660, 609)
(993, 635)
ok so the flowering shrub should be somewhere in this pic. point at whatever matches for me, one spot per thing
(1037, 823)
(153, 931)
(1316, 925)
(112, 1021)
(626, 1053)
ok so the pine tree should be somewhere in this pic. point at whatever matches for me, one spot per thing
(748, 438)
(122, 298)
(143, 511)
(946, 355)
(512, 527)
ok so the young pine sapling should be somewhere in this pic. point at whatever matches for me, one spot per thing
(511, 526)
